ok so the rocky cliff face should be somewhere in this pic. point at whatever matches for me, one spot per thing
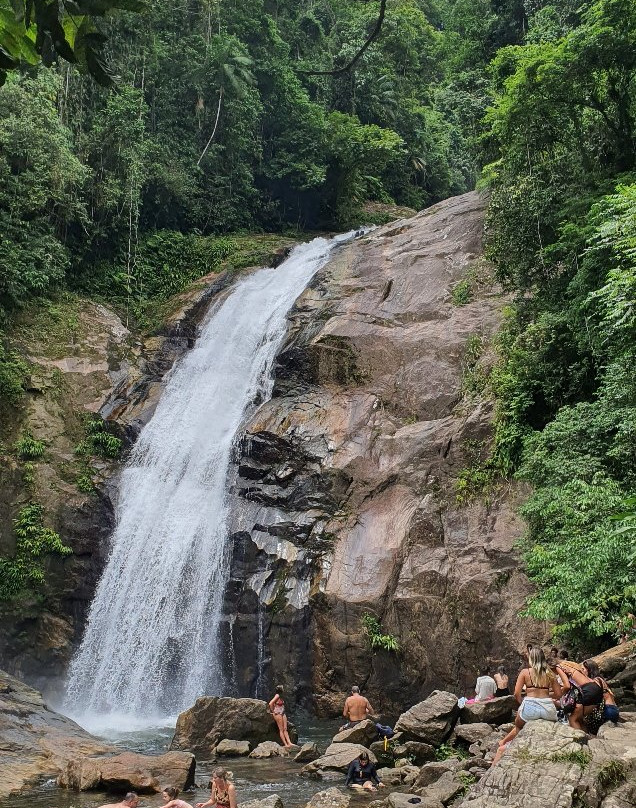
(84, 362)
(345, 496)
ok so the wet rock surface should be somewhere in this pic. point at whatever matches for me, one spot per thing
(144, 774)
(345, 500)
(36, 742)
(213, 719)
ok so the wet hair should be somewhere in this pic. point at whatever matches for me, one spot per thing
(529, 647)
(172, 792)
(220, 774)
(554, 651)
(485, 671)
(563, 653)
(132, 795)
(279, 688)
(501, 670)
(363, 756)
(355, 689)
(538, 665)
(593, 669)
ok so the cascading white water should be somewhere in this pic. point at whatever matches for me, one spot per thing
(151, 642)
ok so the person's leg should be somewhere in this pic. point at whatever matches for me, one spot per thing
(575, 719)
(503, 743)
(368, 786)
(287, 740)
(279, 723)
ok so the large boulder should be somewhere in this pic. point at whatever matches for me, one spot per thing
(548, 765)
(228, 747)
(495, 711)
(36, 742)
(473, 733)
(432, 720)
(213, 718)
(308, 752)
(337, 757)
(363, 732)
(331, 798)
(273, 801)
(416, 751)
(146, 774)
(268, 749)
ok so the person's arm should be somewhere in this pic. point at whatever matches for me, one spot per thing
(368, 707)
(556, 687)
(270, 705)
(521, 680)
(204, 804)
(374, 774)
(351, 773)
(231, 792)
(345, 710)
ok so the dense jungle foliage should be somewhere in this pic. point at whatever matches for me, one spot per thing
(230, 117)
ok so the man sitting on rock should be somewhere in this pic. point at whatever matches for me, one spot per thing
(131, 800)
(356, 708)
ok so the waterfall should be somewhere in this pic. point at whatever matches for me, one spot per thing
(151, 642)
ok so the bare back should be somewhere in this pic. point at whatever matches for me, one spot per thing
(357, 707)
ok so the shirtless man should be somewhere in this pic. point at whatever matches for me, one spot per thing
(356, 708)
(131, 800)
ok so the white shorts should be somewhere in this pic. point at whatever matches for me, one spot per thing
(533, 709)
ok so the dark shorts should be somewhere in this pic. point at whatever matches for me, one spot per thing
(610, 713)
(591, 693)
(501, 691)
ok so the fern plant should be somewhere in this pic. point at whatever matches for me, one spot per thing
(376, 637)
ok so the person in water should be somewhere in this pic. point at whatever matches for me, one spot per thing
(223, 792)
(362, 774)
(501, 680)
(356, 708)
(538, 681)
(131, 800)
(169, 796)
(277, 709)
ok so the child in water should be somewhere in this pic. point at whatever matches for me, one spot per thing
(169, 795)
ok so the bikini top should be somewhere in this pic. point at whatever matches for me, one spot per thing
(220, 796)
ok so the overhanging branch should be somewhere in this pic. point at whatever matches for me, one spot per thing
(373, 35)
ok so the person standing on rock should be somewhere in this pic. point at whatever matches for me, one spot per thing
(131, 800)
(223, 792)
(277, 709)
(356, 708)
(362, 774)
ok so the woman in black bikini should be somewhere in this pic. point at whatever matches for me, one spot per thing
(223, 792)
(277, 709)
(501, 680)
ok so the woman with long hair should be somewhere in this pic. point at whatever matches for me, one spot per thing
(277, 709)
(223, 792)
(539, 681)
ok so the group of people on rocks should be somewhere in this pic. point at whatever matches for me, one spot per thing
(556, 688)
(223, 795)
(549, 688)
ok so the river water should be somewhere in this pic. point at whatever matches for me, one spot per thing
(254, 779)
